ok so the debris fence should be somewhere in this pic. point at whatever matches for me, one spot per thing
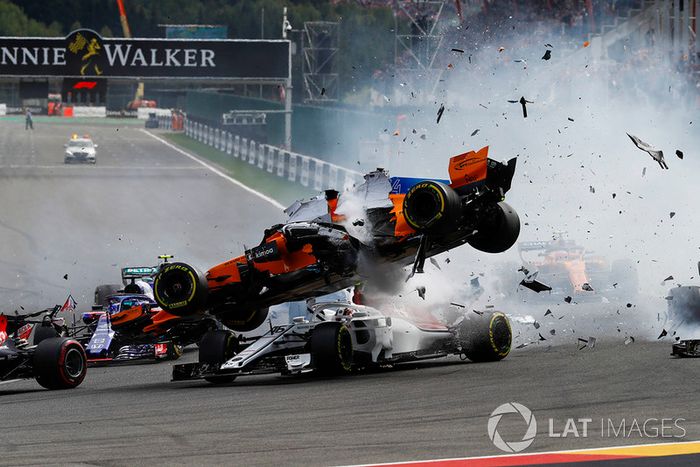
(296, 168)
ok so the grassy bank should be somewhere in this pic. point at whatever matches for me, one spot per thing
(273, 186)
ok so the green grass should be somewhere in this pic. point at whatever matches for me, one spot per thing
(277, 188)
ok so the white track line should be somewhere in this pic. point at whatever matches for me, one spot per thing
(88, 167)
(215, 170)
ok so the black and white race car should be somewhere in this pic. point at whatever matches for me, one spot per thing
(342, 337)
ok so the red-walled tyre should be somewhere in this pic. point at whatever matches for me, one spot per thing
(60, 363)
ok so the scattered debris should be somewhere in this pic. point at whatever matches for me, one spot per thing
(570, 119)
(358, 223)
(664, 333)
(478, 312)
(421, 291)
(553, 332)
(458, 50)
(522, 346)
(435, 263)
(547, 55)
(655, 154)
(591, 188)
(541, 337)
(440, 111)
(671, 214)
(629, 340)
(567, 299)
(526, 272)
(587, 287)
(523, 102)
(679, 153)
(323, 91)
(536, 325)
(669, 278)
(501, 49)
(549, 45)
(548, 312)
(475, 132)
(65, 276)
(535, 285)
(457, 305)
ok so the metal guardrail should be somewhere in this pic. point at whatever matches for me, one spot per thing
(297, 168)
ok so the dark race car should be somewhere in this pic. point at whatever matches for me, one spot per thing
(55, 361)
(325, 246)
(112, 339)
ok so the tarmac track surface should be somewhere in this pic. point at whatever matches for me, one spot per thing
(132, 415)
(142, 199)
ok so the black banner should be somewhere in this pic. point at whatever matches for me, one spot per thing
(85, 54)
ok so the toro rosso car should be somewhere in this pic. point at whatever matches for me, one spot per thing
(342, 337)
(55, 362)
(329, 244)
(133, 327)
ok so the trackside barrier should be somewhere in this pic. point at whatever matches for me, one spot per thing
(297, 168)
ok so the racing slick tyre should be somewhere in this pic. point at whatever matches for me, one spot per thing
(42, 333)
(102, 293)
(331, 349)
(499, 232)
(245, 322)
(174, 351)
(59, 363)
(215, 348)
(180, 289)
(486, 337)
(431, 206)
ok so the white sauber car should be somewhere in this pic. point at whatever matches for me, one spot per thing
(80, 150)
(342, 337)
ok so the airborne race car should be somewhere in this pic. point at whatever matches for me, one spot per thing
(328, 244)
(55, 362)
(342, 337)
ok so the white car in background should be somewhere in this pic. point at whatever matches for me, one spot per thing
(80, 150)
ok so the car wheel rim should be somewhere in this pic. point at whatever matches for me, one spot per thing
(74, 363)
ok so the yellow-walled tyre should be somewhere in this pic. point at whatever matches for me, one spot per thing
(180, 289)
(486, 337)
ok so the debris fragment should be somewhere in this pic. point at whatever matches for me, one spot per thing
(523, 102)
(323, 91)
(541, 337)
(548, 312)
(586, 43)
(526, 272)
(65, 276)
(358, 223)
(567, 299)
(629, 340)
(669, 278)
(679, 153)
(522, 346)
(421, 291)
(535, 285)
(587, 287)
(536, 325)
(671, 214)
(570, 119)
(501, 49)
(457, 305)
(475, 132)
(655, 154)
(664, 333)
(547, 55)
(435, 263)
(458, 50)
(440, 111)
(553, 332)
(591, 188)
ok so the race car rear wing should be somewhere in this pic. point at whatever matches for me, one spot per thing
(133, 273)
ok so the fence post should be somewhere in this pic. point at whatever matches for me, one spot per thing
(281, 155)
(292, 175)
(228, 142)
(304, 178)
(244, 149)
(237, 147)
(271, 151)
(252, 152)
(318, 175)
(261, 155)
